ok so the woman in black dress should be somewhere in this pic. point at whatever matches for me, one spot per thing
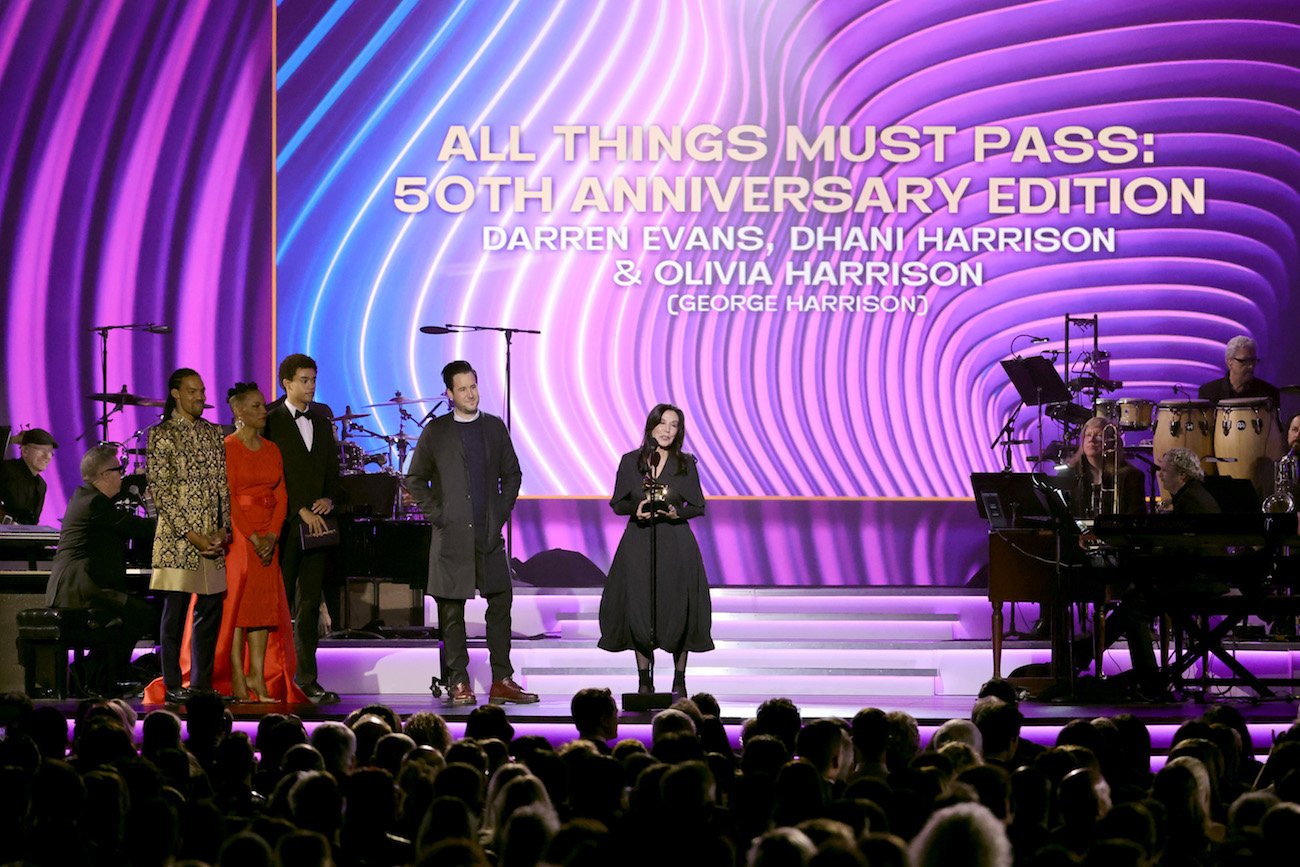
(684, 614)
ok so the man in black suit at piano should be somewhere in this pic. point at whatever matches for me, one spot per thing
(304, 432)
(89, 569)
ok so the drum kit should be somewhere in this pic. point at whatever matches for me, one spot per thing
(1239, 438)
(378, 492)
(391, 457)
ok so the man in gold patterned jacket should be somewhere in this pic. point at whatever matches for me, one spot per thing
(187, 479)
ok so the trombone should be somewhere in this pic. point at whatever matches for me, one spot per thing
(1105, 494)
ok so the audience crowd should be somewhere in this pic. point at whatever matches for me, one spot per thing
(379, 790)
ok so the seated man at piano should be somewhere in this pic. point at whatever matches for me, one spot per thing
(89, 571)
(1091, 480)
(1182, 476)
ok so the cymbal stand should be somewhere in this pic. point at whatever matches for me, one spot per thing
(102, 331)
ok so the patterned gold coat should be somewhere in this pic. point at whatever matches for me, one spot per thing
(187, 479)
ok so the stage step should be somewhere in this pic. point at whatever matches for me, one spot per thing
(840, 643)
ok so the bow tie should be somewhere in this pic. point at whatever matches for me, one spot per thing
(299, 413)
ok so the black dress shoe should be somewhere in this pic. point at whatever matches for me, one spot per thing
(320, 694)
(129, 688)
(179, 695)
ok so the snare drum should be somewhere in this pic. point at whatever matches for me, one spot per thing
(1187, 424)
(1134, 413)
(1246, 429)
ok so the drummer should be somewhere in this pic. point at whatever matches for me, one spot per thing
(1242, 357)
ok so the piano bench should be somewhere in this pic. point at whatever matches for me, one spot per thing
(45, 638)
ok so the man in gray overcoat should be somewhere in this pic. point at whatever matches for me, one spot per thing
(465, 476)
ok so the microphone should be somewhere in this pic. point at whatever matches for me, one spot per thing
(435, 329)
(1033, 339)
(158, 329)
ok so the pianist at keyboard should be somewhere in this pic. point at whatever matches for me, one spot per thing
(89, 570)
(1183, 478)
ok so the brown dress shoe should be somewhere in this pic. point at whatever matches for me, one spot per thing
(461, 693)
(508, 691)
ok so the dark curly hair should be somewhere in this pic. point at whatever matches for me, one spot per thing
(239, 389)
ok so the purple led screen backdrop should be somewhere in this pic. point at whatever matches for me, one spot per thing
(788, 395)
(135, 187)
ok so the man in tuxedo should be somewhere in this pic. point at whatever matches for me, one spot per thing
(89, 570)
(304, 432)
(465, 476)
(22, 490)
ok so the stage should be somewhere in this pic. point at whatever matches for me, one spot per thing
(925, 651)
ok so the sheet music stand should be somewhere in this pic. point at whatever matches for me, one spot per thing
(1037, 382)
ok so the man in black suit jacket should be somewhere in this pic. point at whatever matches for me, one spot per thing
(89, 569)
(304, 433)
(465, 476)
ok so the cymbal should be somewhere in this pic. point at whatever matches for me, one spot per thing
(405, 438)
(1289, 389)
(350, 416)
(401, 400)
(125, 398)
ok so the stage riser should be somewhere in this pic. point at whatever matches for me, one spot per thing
(774, 669)
(762, 630)
(956, 614)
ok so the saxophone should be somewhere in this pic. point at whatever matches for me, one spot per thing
(1284, 479)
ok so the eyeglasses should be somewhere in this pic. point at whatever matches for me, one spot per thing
(117, 469)
(1248, 362)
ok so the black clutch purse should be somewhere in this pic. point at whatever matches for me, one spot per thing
(328, 539)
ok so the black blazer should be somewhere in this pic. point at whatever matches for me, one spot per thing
(438, 479)
(89, 569)
(308, 476)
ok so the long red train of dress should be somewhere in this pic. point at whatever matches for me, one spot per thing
(254, 593)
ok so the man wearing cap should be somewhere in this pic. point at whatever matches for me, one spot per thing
(22, 490)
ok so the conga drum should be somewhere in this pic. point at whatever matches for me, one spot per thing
(1246, 429)
(1186, 424)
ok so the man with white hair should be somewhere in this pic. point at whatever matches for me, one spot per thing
(1241, 357)
(1182, 476)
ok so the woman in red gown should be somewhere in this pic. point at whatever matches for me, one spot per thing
(256, 612)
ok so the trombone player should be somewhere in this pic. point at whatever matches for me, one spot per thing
(1098, 478)
(1100, 482)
